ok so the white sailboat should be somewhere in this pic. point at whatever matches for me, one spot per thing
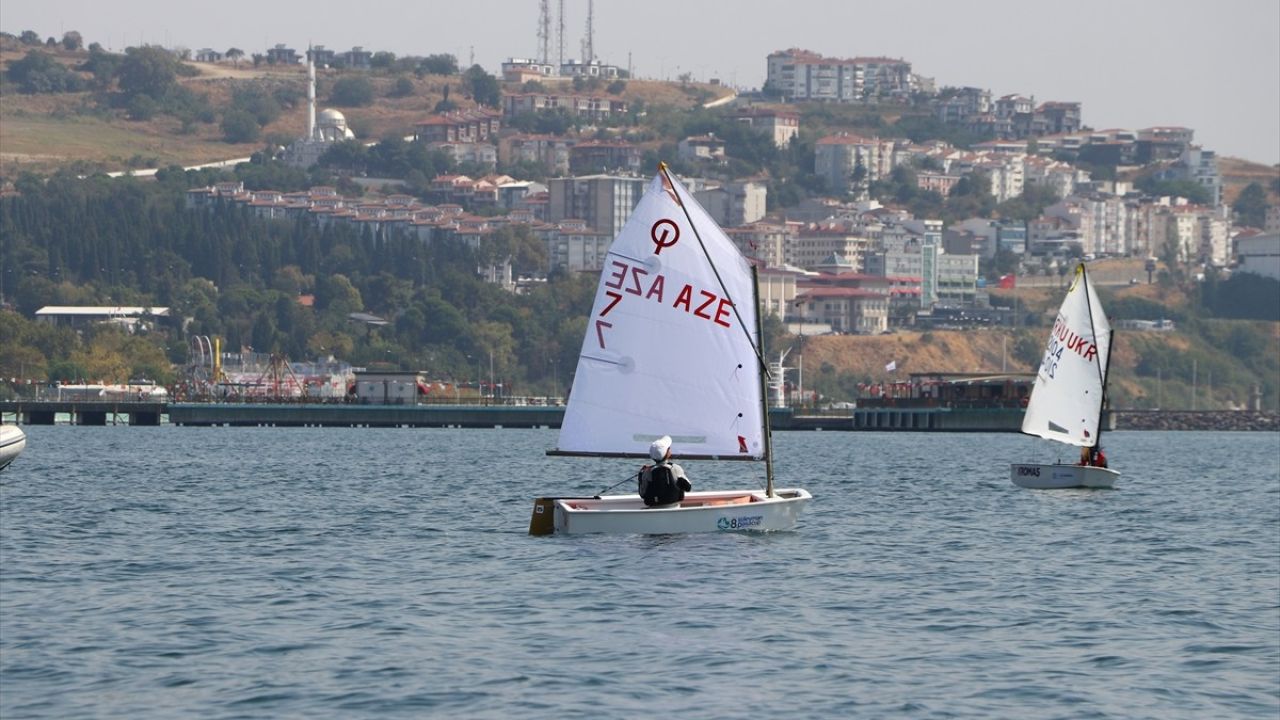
(672, 348)
(12, 442)
(1070, 389)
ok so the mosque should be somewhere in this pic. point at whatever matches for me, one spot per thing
(330, 127)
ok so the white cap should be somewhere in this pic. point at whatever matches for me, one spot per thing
(658, 450)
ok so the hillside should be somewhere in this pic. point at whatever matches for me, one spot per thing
(44, 132)
(1223, 359)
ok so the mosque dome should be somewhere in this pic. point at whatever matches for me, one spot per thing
(332, 125)
(332, 118)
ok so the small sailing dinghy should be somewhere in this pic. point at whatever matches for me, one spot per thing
(1070, 389)
(672, 348)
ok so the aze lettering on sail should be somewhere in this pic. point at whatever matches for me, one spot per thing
(624, 281)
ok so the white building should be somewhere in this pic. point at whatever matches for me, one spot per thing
(1259, 254)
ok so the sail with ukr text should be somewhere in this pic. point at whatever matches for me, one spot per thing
(1066, 401)
(670, 343)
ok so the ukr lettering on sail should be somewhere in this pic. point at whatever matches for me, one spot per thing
(1064, 338)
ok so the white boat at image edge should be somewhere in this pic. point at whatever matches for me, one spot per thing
(1070, 391)
(12, 443)
(672, 348)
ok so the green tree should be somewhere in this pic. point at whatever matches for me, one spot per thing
(352, 91)
(234, 54)
(484, 87)
(38, 72)
(149, 70)
(238, 126)
(1251, 206)
(402, 87)
(439, 65)
(71, 40)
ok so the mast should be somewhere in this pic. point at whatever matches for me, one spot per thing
(311, 96)
(1102, 371)
(1102, 407)
(764, 401)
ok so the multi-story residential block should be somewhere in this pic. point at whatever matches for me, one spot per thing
(357, 57)
(597, 156)
(735, 203)
(593, 68)
(281, 55)
(844, 309)
(592, 107)
(521, 70)
(805, 76)
(549, 152)
(849, 163)
(575, 247)
(816, 243)
(482, 154)
(1162, 143)
(963, 104)
(701, 147)
(1054, 118)
(778, 125)
(320, 56)
(1199, 166)
(603, 201)
(764, 242)
(460, 126)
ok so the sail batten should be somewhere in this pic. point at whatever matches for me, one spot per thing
(1066, 400)
(670, 345)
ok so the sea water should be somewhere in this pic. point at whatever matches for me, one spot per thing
(262, 572)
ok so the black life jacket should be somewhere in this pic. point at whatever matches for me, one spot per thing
(661, 489)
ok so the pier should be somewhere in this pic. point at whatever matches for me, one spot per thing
(46, 412)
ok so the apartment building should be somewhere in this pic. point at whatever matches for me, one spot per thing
(839, 158)
(802, 75)
(604, 202)
(777, 125)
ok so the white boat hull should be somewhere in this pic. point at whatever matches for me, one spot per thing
(12, 442)
(1057, 477)
(718, 511)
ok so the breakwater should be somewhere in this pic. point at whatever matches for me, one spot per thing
(1196, 420)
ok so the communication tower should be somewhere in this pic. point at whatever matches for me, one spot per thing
(588, 47)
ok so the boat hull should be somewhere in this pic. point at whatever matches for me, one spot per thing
(12, 442)
(718, 511)
(1058, 476)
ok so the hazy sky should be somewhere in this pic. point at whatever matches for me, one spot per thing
(1213, 66)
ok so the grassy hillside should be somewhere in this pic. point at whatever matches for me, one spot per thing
(44, 132)
(1223, 359)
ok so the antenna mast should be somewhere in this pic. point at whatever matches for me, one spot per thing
(544, 31)
(588, 49)
(560, 38)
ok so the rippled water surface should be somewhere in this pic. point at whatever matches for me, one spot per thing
(221, 572)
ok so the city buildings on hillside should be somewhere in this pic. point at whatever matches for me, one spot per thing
(801, 75)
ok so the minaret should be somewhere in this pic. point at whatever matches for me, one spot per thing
(311, 96)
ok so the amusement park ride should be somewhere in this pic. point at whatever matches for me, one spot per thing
(254, 376)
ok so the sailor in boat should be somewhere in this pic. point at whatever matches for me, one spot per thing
(663, 484)
(1093, 456)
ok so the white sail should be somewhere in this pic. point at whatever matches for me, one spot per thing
(1066, 401)
(669, 348)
